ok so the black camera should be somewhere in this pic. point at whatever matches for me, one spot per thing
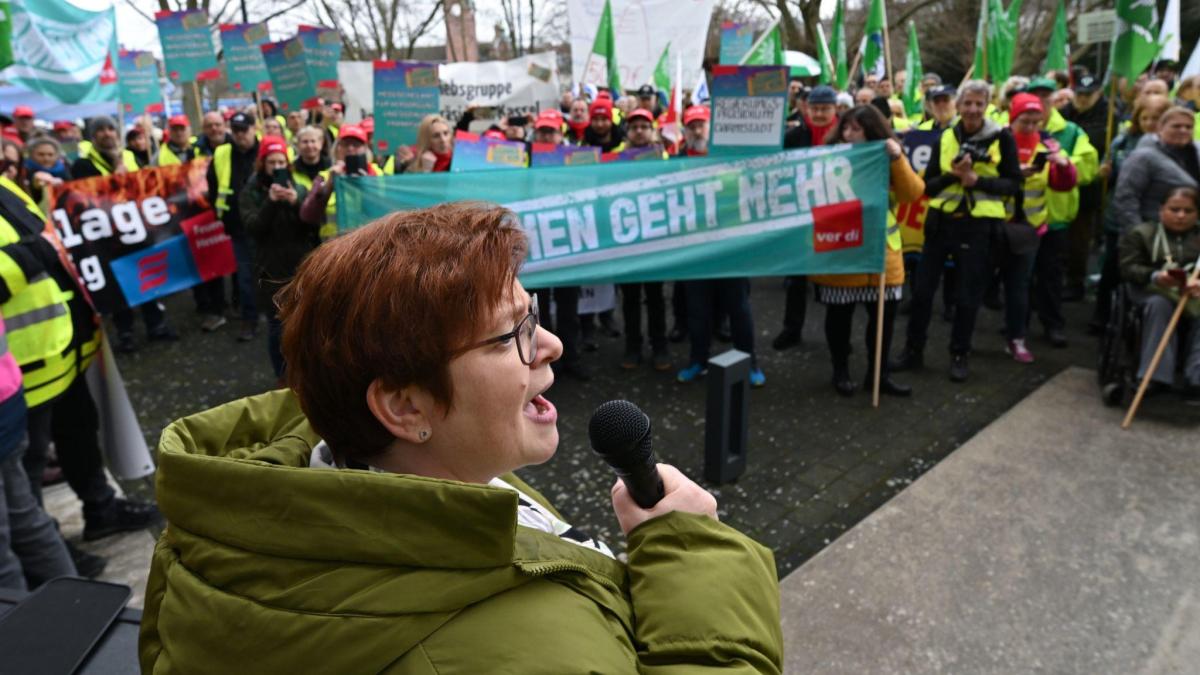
(978, 155)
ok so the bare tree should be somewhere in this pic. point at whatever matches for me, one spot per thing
(378, 29)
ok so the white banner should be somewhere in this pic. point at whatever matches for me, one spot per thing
(642, 29)
(519, 87)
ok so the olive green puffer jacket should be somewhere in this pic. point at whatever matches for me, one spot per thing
(269, 566)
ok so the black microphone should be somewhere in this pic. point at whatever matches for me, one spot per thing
(620, 434)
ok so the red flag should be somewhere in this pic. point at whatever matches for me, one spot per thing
(108, 74)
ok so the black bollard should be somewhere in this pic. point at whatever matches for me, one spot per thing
(727, 416)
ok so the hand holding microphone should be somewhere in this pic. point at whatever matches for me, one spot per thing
(620, 433)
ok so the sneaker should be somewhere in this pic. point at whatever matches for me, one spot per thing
(125, 343)
(249, 331)
(163, 333)
(661, 361)
(694, 371)
(958, 368)
(631, 360)
(123, 515)
(1018, 350)
(212, 322)
(88, 565)
(909, 359)
(758, 379)
(787, 339)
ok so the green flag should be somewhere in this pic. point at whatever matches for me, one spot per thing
(874, 60)
(601, 67)
(768, 51)
(980, 69)
(1000, 42)
(1056, 54)
(912, 64)
(662, 71)
(6, 53)
(838, 47)
(824, 57)
(1135, 43)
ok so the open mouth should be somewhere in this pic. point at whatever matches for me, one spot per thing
(541, 410)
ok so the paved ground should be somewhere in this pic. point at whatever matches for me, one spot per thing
(818, 463)
(1051, 542)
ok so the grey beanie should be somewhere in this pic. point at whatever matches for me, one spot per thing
(100, 122)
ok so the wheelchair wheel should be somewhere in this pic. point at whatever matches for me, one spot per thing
(1113, 357)
(1113, 394)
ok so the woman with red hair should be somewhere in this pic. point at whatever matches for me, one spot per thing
(369, 520)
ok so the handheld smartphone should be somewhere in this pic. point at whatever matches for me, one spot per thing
(356, 164)
(281, 177)
(1039, 161)
(518, 121)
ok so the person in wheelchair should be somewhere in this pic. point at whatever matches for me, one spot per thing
(1156, 259)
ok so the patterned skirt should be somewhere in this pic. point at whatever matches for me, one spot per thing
(846, 295)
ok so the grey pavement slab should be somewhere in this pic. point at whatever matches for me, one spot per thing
(1050, 542)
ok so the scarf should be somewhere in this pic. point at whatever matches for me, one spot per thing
(1026, 145)
(59, 170)
(443, 161)
(819, 133)
(577, 128)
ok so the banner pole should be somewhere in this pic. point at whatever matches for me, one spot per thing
(1162, 347)
(879, 355)
(199, 104)
(1108, 131)
(853, 72)
(258, 113)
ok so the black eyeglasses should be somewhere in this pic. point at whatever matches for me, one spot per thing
(525, 333)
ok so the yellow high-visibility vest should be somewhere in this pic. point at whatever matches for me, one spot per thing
(983, 205)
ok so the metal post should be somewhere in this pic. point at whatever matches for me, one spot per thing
(727, 417)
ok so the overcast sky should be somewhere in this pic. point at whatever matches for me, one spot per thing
(135, 32)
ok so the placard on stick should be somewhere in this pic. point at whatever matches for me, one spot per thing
(749, 107)
(294, 88)
(244, 65)
(405, 92)
(187, 46)
(138, 79)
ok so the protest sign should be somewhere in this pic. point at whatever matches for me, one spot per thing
(187, 46)
(736, 40)
(294, 88)
(61, 51)
(140, 235)
(643, 29)
(549, 154)
(137, 75)
(244, 65)
(918, 147)
(522, 86)
(817, 210)
(596, 299)
(749, 107)
(322, 49)
(472, 153)
(405, 92)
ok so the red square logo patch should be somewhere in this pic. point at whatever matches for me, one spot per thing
(837, 226)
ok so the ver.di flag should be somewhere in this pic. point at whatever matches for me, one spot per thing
(1057, 53)
(816, 210)
(1135, 43)
(601, 69)
(912, 64)
(874, 59)
(61, 51)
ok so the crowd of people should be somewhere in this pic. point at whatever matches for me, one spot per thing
(1022, 189)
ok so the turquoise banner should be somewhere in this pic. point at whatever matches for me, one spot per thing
(405, 92)
(187, 46)
(62, 51)
(322, 49)
(294, 88)
(137, 75)
(817, 210)
(244, 65)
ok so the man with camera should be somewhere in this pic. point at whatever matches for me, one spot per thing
(972, 172)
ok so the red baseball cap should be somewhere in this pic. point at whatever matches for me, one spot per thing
(178, 121)
(601, 107)
(22, 111)
(696, 112)
(352, 131)
(643, 113)
(1023, 103)
(270, 144)
(548, 119)
(63, 125)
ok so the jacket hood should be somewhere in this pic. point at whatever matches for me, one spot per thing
(256, 534)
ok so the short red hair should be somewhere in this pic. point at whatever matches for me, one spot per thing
(393, 301)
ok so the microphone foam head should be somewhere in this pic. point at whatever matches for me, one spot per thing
(618, 427)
